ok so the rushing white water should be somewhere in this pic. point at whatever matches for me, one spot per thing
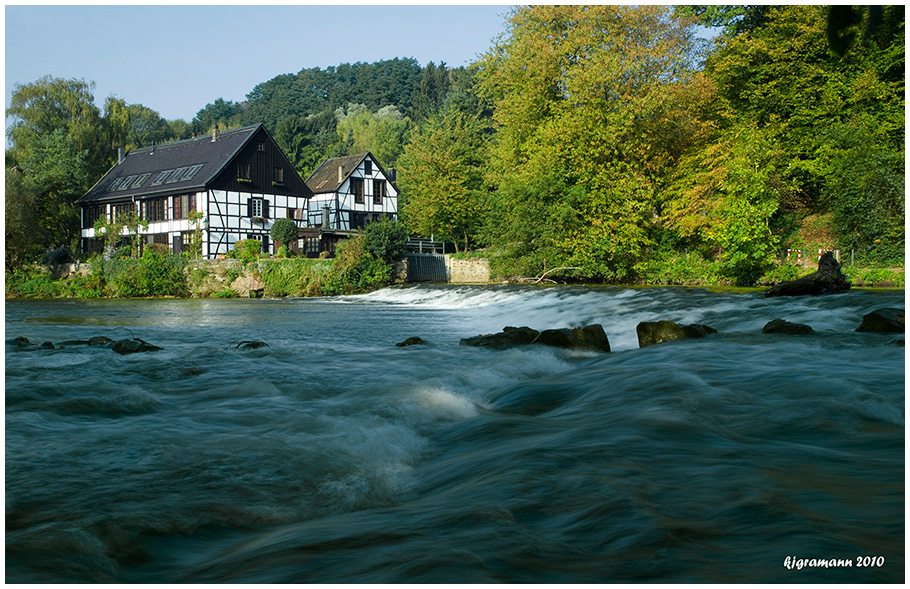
(334, 456)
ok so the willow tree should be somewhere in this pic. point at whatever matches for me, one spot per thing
(587, 105)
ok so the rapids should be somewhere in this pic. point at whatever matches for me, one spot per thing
(333, 456)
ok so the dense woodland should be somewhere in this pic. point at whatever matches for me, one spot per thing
(612, 141)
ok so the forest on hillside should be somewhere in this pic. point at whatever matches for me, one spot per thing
(613, 141)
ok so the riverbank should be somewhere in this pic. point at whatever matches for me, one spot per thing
(169, 276)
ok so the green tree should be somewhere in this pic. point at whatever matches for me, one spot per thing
(864, 191)
(112, 232)
(787, 80)
(134, 125)
(582, 96)
(383, 133)
(386, 239)
(57, 139)
(22, 243)
(442, 178)
(221, 112)
(724, 202)
(284, 231)
(431, 91)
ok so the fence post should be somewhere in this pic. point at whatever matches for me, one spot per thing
(851, 257)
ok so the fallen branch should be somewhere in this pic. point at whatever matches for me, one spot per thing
(541, 277)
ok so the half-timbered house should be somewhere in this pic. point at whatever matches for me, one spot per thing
(240, 180)
(348, 193)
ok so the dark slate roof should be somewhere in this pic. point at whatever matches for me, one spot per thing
(171, 167)
(325, 178)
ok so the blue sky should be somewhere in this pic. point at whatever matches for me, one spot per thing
(177, 59)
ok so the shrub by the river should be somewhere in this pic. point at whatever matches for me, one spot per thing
(248, 250)
(676, 269)
(152, 275)
(32, 282)
(293, 277)
(355, 269)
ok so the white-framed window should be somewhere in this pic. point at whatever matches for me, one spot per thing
(255, 207)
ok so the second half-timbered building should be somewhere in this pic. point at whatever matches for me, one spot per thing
(348, 193)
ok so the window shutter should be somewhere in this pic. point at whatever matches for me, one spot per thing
(249, 207)
(265, 209)
(265, 244)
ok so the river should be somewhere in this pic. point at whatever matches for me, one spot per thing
(333, 456)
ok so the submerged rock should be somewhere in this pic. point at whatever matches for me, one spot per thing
(251, 345)
(827, 280)
(411, 341)
(509, 337)
(658, 332)
(785, 327)
(133, 346)
(887, 320)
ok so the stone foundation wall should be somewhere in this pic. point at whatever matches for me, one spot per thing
(472, 271)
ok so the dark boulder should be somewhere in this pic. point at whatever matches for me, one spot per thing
(100, 340)
(251, 345)
(24, 342)
(509, 337)
(411, 341)
(887, 320)
(827, 280)
(590, 338)
(133, 346)
(658, 332)
(785, 327)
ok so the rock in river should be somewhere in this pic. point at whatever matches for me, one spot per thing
(886, 320)
(133, 346)
(658, 332)
(590, 338)
(509, 337)
(785, 327)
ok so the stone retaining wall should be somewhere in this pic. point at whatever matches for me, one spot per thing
(471, 271)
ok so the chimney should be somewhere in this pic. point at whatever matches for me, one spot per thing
(340, 174)
(121, 155)
(215, 133)
(392, 174)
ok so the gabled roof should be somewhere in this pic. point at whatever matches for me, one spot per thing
(170, 167)
(325, 177)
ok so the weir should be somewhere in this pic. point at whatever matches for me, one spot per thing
(427, 268)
